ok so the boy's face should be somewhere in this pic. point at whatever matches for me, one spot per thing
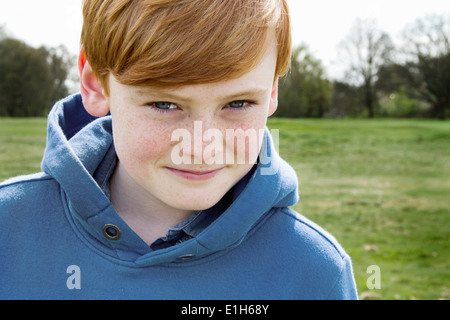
(161, 135)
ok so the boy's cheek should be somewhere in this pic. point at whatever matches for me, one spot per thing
(142, 141)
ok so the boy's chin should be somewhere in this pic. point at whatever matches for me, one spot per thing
(193, 204)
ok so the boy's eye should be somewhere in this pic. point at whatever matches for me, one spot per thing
(237, 104)
(165, 105)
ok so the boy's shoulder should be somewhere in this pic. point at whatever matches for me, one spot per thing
(301, 242)
(312, 258)
(309, 229)
(25, 188)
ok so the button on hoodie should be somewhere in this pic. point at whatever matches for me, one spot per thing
(111, 232)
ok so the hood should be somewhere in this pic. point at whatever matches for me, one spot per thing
(77, 143)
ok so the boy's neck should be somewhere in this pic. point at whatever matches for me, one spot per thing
(148, 217)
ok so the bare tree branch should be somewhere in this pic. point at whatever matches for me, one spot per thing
(366, 49)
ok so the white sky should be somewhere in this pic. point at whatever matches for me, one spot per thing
(321, 24)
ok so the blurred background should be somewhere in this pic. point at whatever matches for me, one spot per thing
(362, 119)
(352, 58)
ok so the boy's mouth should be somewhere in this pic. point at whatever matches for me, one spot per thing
(195, 175)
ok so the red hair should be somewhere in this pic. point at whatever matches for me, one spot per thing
(176, 42)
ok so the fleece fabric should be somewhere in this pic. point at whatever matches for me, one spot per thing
(61, 238)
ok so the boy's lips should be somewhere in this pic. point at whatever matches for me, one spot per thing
(195, 175)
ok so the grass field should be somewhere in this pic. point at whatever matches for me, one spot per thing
(381, 187)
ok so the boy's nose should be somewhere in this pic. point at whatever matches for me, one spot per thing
(205, 134)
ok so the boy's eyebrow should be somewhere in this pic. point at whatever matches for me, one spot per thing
(170, 94)
(247, 92)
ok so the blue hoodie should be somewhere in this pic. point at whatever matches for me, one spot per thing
(53, 245)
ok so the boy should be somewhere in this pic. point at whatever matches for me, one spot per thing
(159, 180)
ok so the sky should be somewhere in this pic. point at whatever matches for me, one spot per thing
(320, 24)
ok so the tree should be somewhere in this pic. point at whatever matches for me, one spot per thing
(304, 92)
(2, 32)
(346, 101)
(427, 53)
(59, 61)
(31, 80)
(366, 48)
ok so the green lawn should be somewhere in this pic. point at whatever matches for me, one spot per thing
(22, 143)
(381, 187)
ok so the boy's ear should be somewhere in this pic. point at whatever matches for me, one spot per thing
(94, 99)
(273, 105)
